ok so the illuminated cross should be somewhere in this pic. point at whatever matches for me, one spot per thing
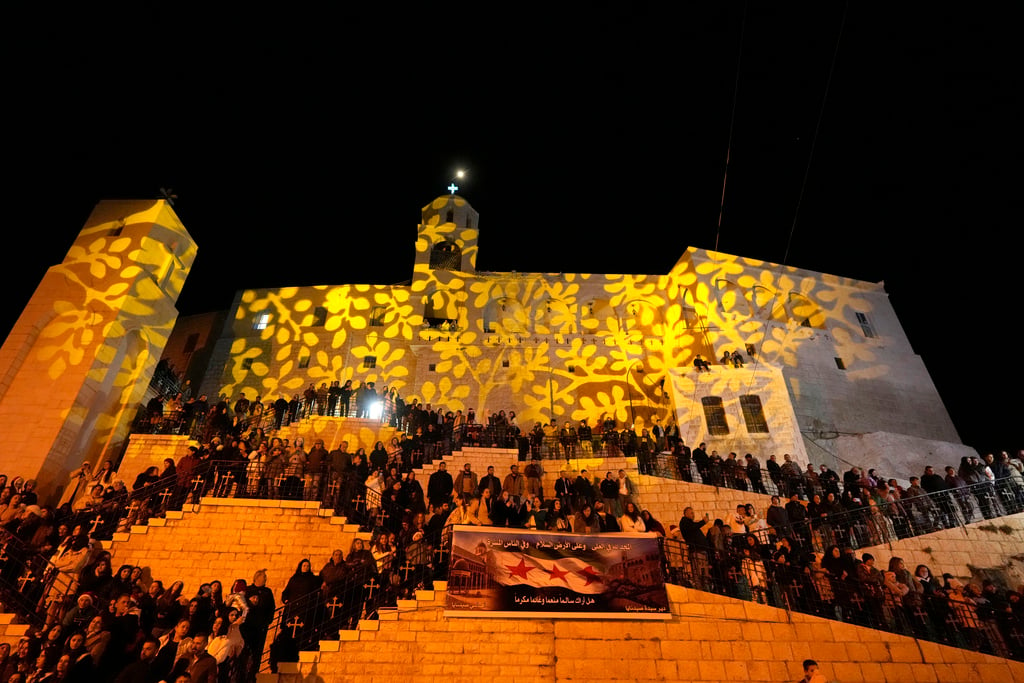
(278, 479)
(408, 568)
(453, 188)
(334, 604)
(796, 587)
(295, 625)
(372, 586)
(382, 516)
(95, 523)
(27, 578)
(197, 482)
(440, 554)
(857, 600)
(165, 495)
(921, 615)
(332, 489)
(358, 500)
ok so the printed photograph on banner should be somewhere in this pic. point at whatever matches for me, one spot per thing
(524, 573)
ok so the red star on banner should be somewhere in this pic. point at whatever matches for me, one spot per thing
(557, 573)
(590, 575)
(520, 570)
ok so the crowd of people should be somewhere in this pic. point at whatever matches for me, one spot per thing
(799, 552)
(802, 554)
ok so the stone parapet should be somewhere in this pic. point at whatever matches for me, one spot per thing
(710, 638)
(228, 539)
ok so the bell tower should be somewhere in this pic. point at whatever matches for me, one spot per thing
(78, 361)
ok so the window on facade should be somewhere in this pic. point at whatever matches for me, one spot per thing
(714, 416)
(377, 316)
(319, 316)
(191, 343)
(261, 321)
(450, 216)
(840, 364)
(303, 361)
(753, 414)
(866, 326)
(432, 367)
(751, 350)
(504, 363)
(247, 364)
(370, 362)
(446, 256)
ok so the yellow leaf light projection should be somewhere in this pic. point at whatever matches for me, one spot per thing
(584, 346)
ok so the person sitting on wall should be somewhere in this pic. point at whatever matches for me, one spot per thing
(701, 364)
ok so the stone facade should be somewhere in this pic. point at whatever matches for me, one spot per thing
(825, 355)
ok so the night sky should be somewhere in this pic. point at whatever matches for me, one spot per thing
(302, 147)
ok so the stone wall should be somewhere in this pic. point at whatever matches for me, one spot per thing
(709, 638)
(228, 539)
(991, 548)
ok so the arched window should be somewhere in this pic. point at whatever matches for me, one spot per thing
(555, 317)
(446, 255)
(441, 311)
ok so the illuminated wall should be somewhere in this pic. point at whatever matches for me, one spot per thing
(79, 359)
(824, 355)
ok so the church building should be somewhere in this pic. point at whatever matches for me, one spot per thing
(819, 366)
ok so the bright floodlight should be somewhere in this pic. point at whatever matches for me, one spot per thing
(376, 409)
(460, 173)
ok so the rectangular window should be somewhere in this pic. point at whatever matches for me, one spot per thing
(751, 351)
(504, 363)
(840, 364)
(714, 416)
(191, 343)
(865, 326)
(319, 316)
(753, 414)
(377, 316)
(370, 362)
(303, 361)
(247, 364)
(261, 321)
(432, 367)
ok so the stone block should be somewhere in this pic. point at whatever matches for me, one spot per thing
(711, 671)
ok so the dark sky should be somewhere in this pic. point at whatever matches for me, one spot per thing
(302, 147)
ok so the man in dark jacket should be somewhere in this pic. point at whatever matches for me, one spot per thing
(440, 485)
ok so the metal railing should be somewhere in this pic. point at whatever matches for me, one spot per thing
(365, 586)
(862, 596)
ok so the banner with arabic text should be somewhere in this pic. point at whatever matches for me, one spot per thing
(524, 573)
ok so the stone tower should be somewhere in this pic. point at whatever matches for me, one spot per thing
(446, 251)
(77, 363)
